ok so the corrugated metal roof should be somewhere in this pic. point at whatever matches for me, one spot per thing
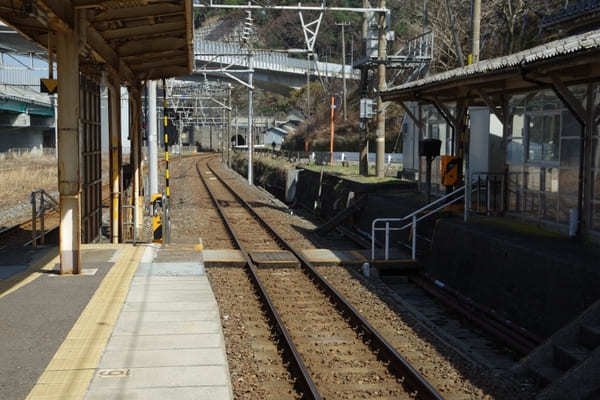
(559, 48)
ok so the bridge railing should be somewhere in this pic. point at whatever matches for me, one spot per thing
(223, 53)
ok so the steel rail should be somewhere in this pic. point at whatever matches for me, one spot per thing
(515, 337)
(6, 232)
(309, 386)
(398, 363)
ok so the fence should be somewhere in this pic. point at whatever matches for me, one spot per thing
(33, 150)
(234, 54)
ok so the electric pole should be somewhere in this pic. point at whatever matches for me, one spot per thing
(363, 164)
(381, 85)
(344, 25)
(476, 30)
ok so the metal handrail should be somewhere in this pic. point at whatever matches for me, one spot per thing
(47, 202)
(489, 180)
(414, 217)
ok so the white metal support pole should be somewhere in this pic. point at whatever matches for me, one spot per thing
(139, 205)
(250, 133)
(67, 51)
(135, 137)
(179, 137)
(229, 127)
(151, 123)
(344, 68)
(381, 85)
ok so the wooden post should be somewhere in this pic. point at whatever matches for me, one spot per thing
(67, 52)
(114, 115)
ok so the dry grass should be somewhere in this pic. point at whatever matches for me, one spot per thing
(22, 174)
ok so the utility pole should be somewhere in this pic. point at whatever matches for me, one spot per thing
(344, 25)
(476, 30)
(363, 164)
(381, 85)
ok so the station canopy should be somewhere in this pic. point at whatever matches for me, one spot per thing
(572, 60)
(132, 40)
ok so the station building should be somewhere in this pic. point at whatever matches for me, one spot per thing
(119, 45)
(527, 121)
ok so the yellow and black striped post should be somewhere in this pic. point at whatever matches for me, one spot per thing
(166, 136)
(167, 200)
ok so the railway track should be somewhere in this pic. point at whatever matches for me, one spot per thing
(19, 235)
(332, 351)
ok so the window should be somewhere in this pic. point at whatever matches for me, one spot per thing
(543, 140)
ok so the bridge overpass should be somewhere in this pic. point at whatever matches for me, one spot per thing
(274, 71)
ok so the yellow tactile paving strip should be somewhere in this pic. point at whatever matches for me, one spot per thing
(70, 371)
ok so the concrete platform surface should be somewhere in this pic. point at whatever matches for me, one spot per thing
(167, 342)
(139, 327)
(39, 308)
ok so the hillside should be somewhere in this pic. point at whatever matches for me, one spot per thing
(507, 26)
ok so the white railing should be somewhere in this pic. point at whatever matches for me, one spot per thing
(414, 218)
(234, 54)
(488, 192)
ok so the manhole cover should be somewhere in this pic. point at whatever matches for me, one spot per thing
(114, 373)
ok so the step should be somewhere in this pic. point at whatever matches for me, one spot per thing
(566, 357)
(547, 374)
(589, 336)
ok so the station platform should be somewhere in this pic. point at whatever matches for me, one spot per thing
(140, 322)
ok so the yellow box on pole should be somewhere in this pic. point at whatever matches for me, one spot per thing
(451, 166)
(157, 204)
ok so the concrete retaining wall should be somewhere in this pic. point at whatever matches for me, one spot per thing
(541, 282)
